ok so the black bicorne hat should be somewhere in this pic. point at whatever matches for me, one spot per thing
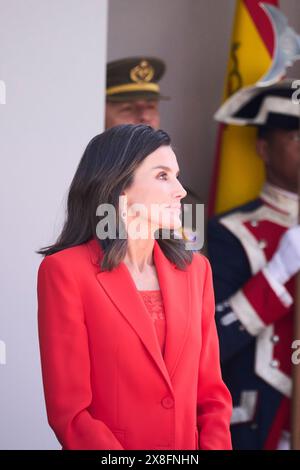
(275, 106)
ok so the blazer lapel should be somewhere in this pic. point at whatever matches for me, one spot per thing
(175, 289)
(120, 287)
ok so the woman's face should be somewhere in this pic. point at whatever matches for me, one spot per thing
(153, 199)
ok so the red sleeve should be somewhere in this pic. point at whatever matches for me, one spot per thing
(264, 300)
(214, 405)
(257, 305)
(65, 361)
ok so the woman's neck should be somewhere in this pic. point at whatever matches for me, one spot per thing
(139, 255)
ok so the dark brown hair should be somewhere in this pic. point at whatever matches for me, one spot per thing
(107, 168)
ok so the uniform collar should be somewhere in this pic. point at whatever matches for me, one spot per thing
(284, 201)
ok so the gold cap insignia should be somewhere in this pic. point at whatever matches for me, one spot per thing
(143, 72)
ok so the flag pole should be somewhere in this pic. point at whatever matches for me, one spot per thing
(295, 408)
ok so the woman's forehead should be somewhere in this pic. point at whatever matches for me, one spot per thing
(162, 156)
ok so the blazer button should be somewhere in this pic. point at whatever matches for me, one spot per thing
(167, 402)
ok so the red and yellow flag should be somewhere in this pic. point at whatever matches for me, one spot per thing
(238, 172)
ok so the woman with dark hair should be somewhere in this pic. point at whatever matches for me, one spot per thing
(129, 349)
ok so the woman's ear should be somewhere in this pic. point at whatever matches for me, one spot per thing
(262, 149)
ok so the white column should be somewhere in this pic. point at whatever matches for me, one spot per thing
(52, 77)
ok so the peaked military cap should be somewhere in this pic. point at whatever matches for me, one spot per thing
(274, 106)
(134, 78)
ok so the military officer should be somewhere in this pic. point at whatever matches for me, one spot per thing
(255, 254)
(133, 91)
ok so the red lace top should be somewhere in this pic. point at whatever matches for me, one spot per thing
(154, 304)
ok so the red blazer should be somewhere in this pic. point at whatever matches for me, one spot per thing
(106, 383)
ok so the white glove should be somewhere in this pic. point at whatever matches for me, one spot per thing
(285, 262)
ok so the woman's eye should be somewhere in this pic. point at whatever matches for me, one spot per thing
(162, 176)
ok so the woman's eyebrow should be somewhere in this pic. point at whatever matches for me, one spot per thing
(166, 168)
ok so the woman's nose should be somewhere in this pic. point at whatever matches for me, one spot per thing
(180, 192)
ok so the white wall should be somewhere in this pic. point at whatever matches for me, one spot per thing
(52, 61)
(193, 37)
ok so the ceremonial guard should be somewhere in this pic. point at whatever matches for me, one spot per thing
(255, 254)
